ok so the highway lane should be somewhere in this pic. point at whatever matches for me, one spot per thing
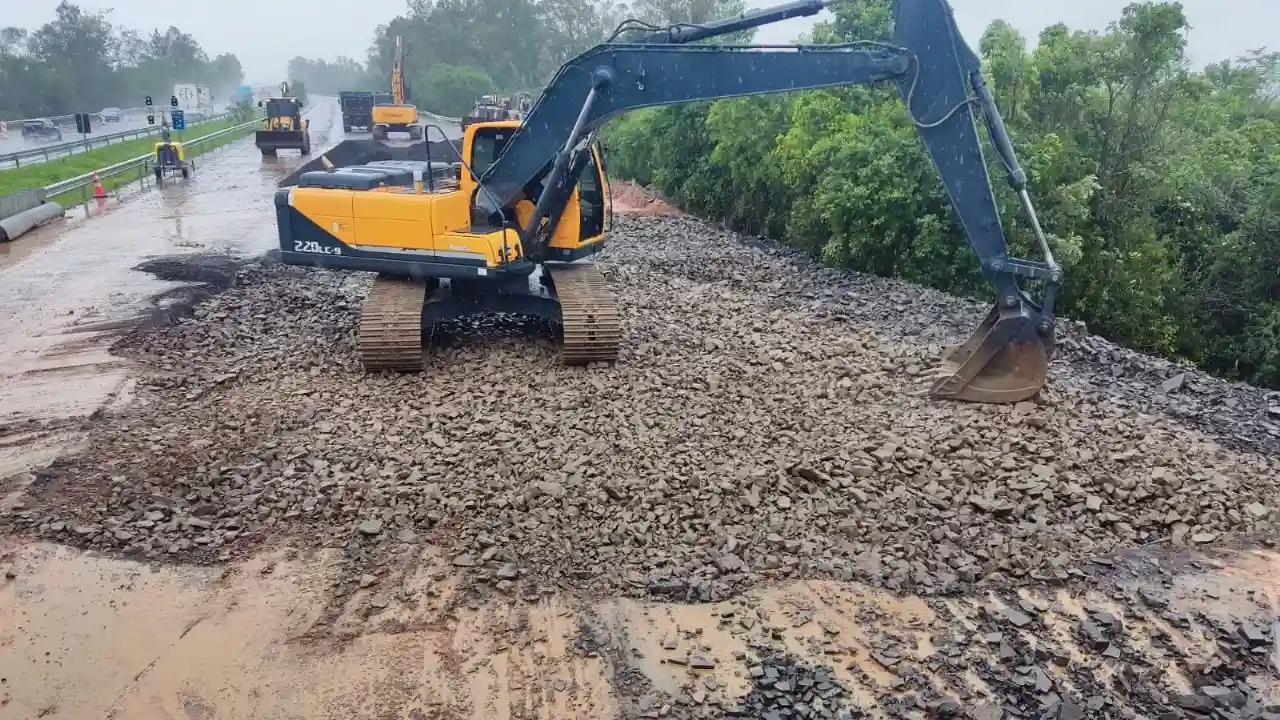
(60, 283)
(15, 142)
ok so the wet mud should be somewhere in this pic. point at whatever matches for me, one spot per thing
(263, 639)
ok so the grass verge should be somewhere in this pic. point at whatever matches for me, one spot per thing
(41, 174)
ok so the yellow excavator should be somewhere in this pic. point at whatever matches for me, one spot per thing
(529, 204)
(399, 115)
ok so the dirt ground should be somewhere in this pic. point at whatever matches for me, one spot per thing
(632, 199)
(208, 512)
(93, 637)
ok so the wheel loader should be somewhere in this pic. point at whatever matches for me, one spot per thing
(515, 233)
(283, 128)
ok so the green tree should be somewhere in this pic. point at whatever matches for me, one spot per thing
(330, 78)
(78, 61)
(452, 91)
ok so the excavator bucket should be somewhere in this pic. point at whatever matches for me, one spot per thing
(280, 139)
(1005, 360)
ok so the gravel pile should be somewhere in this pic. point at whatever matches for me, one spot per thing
(786, 688)
(765, 421)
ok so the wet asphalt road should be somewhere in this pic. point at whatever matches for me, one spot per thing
(16, 143)
(61, 285)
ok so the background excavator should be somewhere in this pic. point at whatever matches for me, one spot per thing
(399, 116)
(530, 202)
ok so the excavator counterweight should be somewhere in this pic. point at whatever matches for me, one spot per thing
(531, 192)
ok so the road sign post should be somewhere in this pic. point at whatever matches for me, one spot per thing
(83, 127)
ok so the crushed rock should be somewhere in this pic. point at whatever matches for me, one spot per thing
(766, 421)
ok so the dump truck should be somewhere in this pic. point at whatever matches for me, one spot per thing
(490, 108)
(357, 108)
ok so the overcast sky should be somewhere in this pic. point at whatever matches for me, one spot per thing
(265, 34)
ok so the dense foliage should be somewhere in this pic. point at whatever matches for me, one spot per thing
(79, 62)
(452, 90)
(1159, 184)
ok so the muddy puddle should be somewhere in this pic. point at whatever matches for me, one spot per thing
(85, 636)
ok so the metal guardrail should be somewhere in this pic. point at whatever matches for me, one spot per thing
(87, 143)
(140, 163)
(70, 120)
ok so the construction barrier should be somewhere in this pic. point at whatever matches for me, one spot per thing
(14, 226)
(20, 201)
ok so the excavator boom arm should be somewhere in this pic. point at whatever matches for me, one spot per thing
(932, 65)
(397, 75)
(940, 80)
(618, 78)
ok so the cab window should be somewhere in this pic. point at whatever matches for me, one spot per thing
(486, 146)
(591, 199)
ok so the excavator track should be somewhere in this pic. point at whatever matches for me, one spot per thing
(589, 314)
(391, 325)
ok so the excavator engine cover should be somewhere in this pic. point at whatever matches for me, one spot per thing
(364, 152)
(1005, 360)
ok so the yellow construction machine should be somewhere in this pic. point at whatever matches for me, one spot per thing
(283, 128)
(399, 116)
(511, 234)
(170, 158)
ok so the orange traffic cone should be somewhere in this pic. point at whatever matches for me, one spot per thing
(98, 190)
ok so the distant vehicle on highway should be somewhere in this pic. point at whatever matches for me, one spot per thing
(357, 108)
(193, 97)
(111, 114)
(41, 129)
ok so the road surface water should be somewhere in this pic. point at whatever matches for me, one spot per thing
(61, 283)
